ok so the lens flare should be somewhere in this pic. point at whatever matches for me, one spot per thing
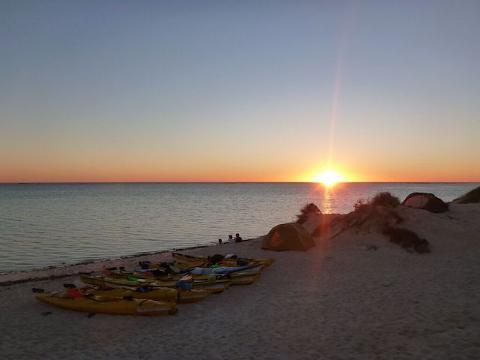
(328, 178)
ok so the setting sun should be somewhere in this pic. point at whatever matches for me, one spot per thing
(328, 178)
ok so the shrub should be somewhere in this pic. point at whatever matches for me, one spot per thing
(360, 205)
(305, 211)
(385, 199)
(470, 197)
(407, 239)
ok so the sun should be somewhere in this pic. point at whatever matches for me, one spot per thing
(328, 178)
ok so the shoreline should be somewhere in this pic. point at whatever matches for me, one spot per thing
(23, 262)
(61, 271)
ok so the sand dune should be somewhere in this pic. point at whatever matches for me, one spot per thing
(336, 301)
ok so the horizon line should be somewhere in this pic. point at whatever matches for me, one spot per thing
(222, 182)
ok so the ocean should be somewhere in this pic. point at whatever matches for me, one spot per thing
(52, 224)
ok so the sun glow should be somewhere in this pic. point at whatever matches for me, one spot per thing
(328, 178)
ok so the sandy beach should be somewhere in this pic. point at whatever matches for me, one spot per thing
(339, 300)
(329, 148)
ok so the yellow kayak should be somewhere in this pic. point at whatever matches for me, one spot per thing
(191, 296)
(211, 286)
(96, 304)
(199, 261)
(245, 280)
(128, 278)
(188, 260)
(214, 288)
(115, 282)
(161, 294)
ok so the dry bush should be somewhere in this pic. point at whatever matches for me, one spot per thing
(379, 214)
(385, 199)
(305, 211)
(407, 239)
(373, 215)
(470, 197)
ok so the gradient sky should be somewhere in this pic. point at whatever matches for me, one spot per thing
(239, 90)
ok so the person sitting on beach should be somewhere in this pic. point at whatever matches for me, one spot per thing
(220, 241)
(238, 237)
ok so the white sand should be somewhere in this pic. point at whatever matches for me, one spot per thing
(336, 301)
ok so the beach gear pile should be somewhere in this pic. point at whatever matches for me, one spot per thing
(155, 289)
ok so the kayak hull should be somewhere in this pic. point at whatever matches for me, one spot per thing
(159, 294)
(200, 261)
(201, 288)
(245, 280)
(141, 307)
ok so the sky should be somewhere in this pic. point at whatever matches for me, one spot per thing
(239, 90)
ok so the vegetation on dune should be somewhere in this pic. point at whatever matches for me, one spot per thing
(308, 209)
(381, 199)
(374, 214)
(470, 197)
(407, 239)
(379, 214)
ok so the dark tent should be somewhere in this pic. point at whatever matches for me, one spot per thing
(289, 236)
(425, 201)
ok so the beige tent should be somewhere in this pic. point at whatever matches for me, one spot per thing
(290, 236)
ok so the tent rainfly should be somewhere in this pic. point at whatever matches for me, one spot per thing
(425, 201)
(290, 236)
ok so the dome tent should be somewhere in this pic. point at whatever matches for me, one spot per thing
(290, 236)
(425, 201)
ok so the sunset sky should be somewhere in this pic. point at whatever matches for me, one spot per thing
(239, 90)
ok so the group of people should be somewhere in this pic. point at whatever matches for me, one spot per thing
(237, 238)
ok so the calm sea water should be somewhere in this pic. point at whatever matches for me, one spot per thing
(51, 224)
